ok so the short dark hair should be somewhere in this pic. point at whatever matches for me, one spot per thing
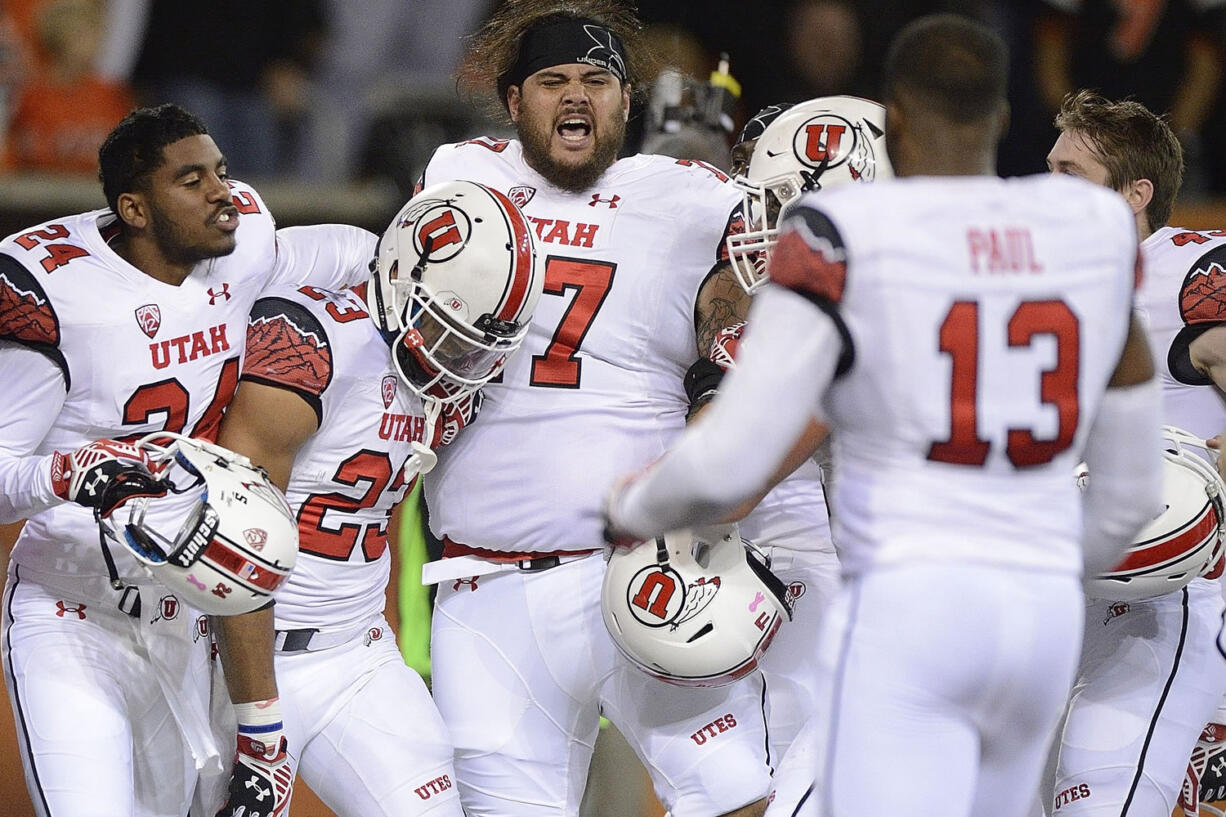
(133, 150)
(494, 49)
(955, 66)
(1132, 143)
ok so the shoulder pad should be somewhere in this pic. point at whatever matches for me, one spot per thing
(1202, 298)
(287, 346)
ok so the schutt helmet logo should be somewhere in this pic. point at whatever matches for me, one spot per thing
(149, 319)
(389, 391)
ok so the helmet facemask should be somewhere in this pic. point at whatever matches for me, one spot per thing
(439, 357)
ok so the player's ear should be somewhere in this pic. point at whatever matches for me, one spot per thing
(1138, 194)
(513, 99)
(133, 210)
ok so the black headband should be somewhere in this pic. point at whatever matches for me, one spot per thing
(563, 40)
(757, 126)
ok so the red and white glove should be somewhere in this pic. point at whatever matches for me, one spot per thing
(726, 345)
(263, 778)
(704, 376)
(455, 416)
(104, 475)
(1204, 788)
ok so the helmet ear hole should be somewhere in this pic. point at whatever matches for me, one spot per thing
(701, 551)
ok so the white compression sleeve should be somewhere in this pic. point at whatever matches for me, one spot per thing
(34, 395)
(329, 256)
(734, 449)
(1124, 457)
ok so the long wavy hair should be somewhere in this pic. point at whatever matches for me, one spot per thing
(493, 50)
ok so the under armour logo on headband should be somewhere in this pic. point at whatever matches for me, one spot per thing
(605, 53)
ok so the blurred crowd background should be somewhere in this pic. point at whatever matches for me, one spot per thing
(339, 95)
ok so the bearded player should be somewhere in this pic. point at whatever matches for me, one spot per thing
(636, 288)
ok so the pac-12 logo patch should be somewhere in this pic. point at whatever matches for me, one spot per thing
(389, 390)
(149, 319)
(521, 195)
(256, 538)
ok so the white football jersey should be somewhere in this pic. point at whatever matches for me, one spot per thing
(351, 473)
(1183, 293)
(983, 319)
(596, 390)
(138, 355)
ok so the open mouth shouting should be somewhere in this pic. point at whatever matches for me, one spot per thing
(575, 131)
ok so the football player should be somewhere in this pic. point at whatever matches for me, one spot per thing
(966, 338)
(116, 323)
(785, 151)
(346, 430)
(636, 288)
(1150, 675)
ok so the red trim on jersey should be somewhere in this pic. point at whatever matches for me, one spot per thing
(26, 315)
(452, 548)
(521, 274)
(796, 265)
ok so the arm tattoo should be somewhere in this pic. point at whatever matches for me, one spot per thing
(721, 302)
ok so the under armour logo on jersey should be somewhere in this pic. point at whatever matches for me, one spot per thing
(470, 582)
(223, 293)
(62, 608)
(596, 199)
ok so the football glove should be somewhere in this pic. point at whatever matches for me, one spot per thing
(104, 475)
(262, 780)
(454, 417)
(1204, 788)
(703, 377)
(726, 345)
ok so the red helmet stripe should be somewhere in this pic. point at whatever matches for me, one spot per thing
(521, 273)
(1158, 552)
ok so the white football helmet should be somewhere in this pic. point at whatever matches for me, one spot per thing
(694, 608)
(1181, 543)
(813, 145)
(456, 278)
(236, 543)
